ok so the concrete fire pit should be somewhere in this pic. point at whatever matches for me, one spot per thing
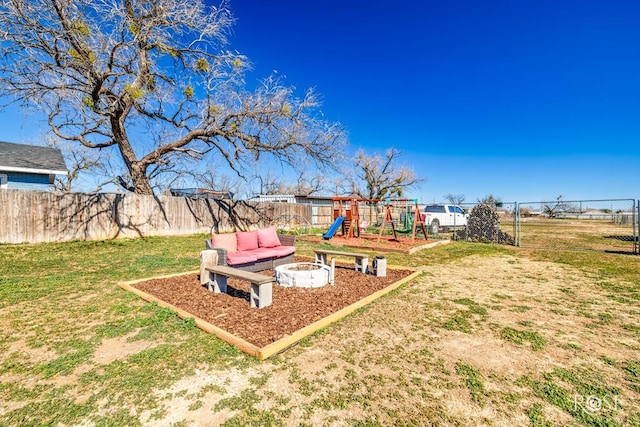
(303, 275)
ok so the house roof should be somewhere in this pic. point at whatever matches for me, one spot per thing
(201, 193)
(31, 159)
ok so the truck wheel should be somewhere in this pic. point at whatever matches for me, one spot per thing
(435, 226)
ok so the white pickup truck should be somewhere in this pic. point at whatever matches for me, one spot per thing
(443, 217)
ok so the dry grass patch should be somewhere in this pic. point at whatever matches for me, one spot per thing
(402, 360)
(496, 338)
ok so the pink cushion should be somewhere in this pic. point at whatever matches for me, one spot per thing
(227, 241)
(284, 250)
(241, 258)
(268, 238)
(264, 253)
(247, 240)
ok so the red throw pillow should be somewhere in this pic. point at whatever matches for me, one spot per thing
(247, 240)
(227, 241)
(268, 237)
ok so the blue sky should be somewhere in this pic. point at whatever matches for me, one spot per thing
(522, 99)
(525, 100)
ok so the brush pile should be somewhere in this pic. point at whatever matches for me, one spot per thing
(483, 225)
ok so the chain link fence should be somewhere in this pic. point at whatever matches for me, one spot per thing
(599, 225)
(471, 221)
(595, 225)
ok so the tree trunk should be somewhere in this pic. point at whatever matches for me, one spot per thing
(137, 170)
(140, 180)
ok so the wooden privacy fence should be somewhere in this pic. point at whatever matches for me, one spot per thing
(34, 217)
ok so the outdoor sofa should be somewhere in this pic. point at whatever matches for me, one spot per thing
(255, 250)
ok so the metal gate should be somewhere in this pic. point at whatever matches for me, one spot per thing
(595, 225)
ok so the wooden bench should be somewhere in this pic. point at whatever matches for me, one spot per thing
(261, 284)
(361, 260)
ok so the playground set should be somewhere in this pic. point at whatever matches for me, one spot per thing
(347, 218)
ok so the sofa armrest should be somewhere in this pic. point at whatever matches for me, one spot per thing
(287, 239)
(222, 252)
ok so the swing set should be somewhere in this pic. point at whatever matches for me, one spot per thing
(412, 218)
(347, 221)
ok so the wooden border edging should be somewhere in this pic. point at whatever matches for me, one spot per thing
(409, 251)
(428, 245)
(243, 345)
(276, 346)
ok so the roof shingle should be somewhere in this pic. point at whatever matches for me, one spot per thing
(31, 157)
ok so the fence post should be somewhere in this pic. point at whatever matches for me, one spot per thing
(636, 225)
(516, 225)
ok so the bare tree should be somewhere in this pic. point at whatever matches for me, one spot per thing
(490, 200)
(152, 81)
(213, 180)
(455, 199)
(268, 183)
(346, 184)
(380, 177)
(553, 209)
(306, 185)
(81, 163)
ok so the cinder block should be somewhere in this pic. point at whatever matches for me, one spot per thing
(321, 259)
(218, 282)
(261, 295)
(362, 264)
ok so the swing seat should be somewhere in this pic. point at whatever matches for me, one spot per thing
(408, 224)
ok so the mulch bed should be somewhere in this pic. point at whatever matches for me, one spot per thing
(292, 308)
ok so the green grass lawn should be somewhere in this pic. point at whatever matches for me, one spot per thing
(76, 349)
